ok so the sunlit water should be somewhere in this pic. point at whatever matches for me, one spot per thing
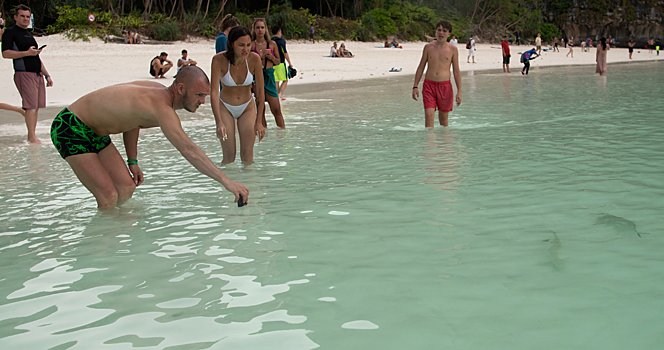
(533, 222)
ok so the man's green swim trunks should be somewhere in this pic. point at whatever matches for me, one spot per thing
(71, 136)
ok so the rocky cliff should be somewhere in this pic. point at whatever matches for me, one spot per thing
(619, 19)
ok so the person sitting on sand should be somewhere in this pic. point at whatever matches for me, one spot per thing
(334, 50)
(9, 107)
(185, 61)
(158, 68)
(395, 44)
(80, 133)
(387, 44)
(137, 38)
(342, 52)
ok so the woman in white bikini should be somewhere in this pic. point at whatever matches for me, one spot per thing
(236, 69)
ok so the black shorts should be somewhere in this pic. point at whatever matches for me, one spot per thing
(506, 59)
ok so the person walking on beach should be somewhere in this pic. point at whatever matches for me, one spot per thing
(600, 56)
(506, 55)
(267, 49)
(538, 43)
(470, 45)
(651, 45)
(555, 44)
(227, 23)
(81, 132)
(281, 74)
(19, 45)
(236, 68)
(454, 41)
(631, 48)
(437, 92)
(525, 59)
(657, 46)
(518, 38)
(185, 61)
(570, 43)
(311, 34)
(160, 65)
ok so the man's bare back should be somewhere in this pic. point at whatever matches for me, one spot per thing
(123, 107)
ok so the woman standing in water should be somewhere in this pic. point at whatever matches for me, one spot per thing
(600, 57)
(236, 69)
(266, 48)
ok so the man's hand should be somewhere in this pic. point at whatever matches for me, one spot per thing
(260, 131)
(237, 188)
(416, 93)
(458, 99)
(33, 51)
(137, 174)
(221, 132)
(49, 82)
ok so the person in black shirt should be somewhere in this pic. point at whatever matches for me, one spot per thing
(281, 70)
(19, 45)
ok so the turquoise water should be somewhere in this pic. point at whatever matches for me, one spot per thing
(534, 221)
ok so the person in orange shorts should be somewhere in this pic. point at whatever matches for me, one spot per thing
(437, 92)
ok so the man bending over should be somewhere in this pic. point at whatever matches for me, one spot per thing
(80, 133)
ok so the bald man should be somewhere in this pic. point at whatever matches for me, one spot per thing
(81, 132)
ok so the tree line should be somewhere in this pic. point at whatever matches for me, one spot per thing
(364, 20)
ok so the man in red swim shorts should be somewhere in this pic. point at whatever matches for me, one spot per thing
(437, 92)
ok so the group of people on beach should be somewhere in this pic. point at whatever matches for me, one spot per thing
(340, 51)
(247, 71)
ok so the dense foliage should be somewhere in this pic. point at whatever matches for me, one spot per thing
(334, 19)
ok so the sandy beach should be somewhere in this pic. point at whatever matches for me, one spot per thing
(80, 67)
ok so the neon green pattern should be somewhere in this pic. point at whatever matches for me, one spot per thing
(71, 136)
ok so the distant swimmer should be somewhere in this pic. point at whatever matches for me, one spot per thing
(437, 92)
(81, 132)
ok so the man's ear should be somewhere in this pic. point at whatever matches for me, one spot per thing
(180, 89)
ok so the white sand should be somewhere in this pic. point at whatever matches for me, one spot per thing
(80, 67)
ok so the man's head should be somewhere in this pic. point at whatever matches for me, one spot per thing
(443, 30)
(184, 54)
(335, 44)
(191, 86)
(276, 31)
(504, 37)
(22, 16)
(163, 55)
(229, 22)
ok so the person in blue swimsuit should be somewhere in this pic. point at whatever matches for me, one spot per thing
(525, 59)
(227, 23)
(236, 68)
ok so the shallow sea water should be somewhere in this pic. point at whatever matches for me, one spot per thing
(532, 222)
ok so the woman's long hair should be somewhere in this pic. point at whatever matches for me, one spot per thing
(253, 32)
(229, 21)
(603, 41)
(233, 35)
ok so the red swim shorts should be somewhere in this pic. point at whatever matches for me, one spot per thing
(438, 95)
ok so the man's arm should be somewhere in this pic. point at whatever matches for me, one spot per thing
(172, 129)
(130, 139)
(457, 74)
(11, 54)
(420, 71)
(180, 63)
(287, 57)
(44, 72)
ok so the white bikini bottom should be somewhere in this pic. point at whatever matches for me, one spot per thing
(236, 111)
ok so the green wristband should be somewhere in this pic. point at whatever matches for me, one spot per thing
(132, 161)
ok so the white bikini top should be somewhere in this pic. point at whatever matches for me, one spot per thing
(228, 79)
